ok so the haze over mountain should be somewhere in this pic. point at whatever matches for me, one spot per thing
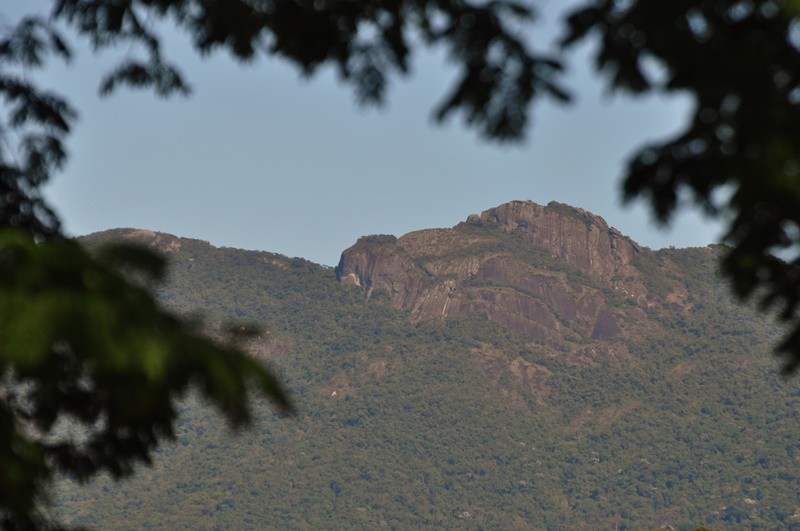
(528, 368)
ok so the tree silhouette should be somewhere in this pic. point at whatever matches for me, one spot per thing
(739, 154)
(79, 341)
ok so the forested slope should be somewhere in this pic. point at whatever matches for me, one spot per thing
(412, 416)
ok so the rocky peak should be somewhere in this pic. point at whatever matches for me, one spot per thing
(158, 241)
(378, 262)
(542, 271)
(579, 238)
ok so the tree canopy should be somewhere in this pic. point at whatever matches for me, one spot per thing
(73, 328)
(91, 368)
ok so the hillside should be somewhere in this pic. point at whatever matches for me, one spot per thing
(529, 368)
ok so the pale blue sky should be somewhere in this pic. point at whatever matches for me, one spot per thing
(259, 158)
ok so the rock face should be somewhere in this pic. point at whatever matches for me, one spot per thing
(579, 238)
(555, 273)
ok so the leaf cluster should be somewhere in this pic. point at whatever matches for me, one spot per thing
(33, 128)
(739, 152)
(366, 41)
(86, 351)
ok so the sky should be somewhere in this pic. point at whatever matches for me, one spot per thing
(259, 157)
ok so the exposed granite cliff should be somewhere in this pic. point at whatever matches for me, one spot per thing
(579, 238)
(555, 273)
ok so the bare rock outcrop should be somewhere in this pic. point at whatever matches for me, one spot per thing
(554, 273)
(378, 263)
(579, 238)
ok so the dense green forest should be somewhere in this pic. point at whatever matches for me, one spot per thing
(459, 422)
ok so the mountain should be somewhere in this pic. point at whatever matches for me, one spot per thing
(529, 368)
(557, 274)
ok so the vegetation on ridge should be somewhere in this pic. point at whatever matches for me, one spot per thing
(451, 422)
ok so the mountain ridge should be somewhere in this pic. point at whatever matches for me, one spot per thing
(460, 420)
(557, 273)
